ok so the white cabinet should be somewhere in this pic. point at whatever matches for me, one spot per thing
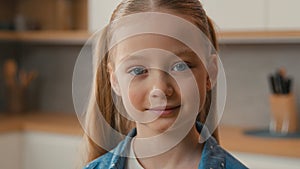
(258, 161)
(237, 14)
(10, 148)
(50, 151)
(284, 15)
(35, 150)
(229, 15)
(252, 15)
(99, 13)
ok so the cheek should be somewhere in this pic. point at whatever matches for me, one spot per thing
(194, 89)
(136, 94)
(201, 83)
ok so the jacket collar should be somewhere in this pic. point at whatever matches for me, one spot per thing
(212, 154)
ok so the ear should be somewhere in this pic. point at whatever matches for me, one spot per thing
(113, 80)
(213, 72)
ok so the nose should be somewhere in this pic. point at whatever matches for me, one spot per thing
(162, 85)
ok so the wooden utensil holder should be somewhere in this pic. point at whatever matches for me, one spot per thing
(284, 113)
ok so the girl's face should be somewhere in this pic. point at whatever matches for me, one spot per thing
(157, 78)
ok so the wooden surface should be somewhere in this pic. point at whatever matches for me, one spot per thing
(42, 122)
(65, 37)
(233, 139)
(54, 14)
(80, 14)
(259, 37)
(46, 14)
(80, 37)
(6, 11)
(260, 34)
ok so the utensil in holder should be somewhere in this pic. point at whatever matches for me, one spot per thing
(283, 111)
(16, 86)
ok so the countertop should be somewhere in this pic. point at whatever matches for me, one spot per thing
(42, 122)
(234, 139)
(231, 138)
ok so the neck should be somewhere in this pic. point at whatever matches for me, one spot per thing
(187, 153)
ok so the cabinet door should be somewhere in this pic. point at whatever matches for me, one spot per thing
(284, 15)
(99, 13)
(10, 150)
(50, 151)
(232, 15)
(260, 161)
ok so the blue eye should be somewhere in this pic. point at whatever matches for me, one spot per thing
(135, 71)
(180, 66)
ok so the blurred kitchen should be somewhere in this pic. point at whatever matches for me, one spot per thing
(41, 39)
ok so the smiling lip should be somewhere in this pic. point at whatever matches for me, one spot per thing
(163, 111)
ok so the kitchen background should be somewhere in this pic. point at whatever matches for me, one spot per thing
(247, 60)
(247, 67)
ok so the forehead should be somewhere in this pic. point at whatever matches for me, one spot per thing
(155, 30)
(146, 41)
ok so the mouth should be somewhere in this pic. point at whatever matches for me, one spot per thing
(165, 110)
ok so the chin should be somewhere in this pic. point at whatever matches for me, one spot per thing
(161, 125)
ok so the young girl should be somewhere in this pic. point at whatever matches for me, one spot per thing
(155, 86)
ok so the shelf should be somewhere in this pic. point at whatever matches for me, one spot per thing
(259, 37)
(80, 37)
(53, 37)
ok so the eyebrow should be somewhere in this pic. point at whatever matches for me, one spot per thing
(183, 50)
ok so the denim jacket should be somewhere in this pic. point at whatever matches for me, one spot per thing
(213, 156)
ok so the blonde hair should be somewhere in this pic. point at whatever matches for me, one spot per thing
(192, 9)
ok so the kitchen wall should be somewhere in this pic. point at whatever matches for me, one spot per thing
(7, 50)
(54, 64)
(52, 90)
(246, 68)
